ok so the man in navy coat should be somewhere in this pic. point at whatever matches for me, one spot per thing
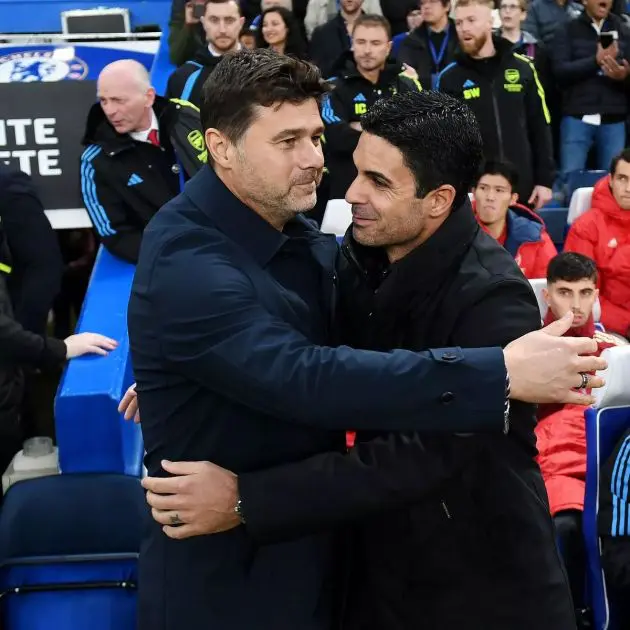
(229, 318)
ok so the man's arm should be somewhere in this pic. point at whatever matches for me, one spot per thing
(341, 138)
(108, 212)
(215, 331)
(21, 347)
(538, 127)
(387, 472)
(567, 70)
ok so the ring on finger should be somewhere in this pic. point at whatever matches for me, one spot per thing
(585, 378)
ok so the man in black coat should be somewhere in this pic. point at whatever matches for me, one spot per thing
(484, 528)
(36, 260)
(20, 348)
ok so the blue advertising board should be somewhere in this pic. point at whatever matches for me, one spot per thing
(67, 62)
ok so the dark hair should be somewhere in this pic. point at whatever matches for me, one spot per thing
(247, 78)
(437, 135)
(624, 155)
(372, 19)
(295, 44)
(207, 2)
(571, 267)
(505, 169)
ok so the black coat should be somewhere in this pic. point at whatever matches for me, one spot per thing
(585, 89)
(124, 182)
(328, 43)
(506, 96)
(476, 549)
(186, 82)
(352, 96)
(18, 348)
(224, 351)
(482, 553)
(37, 264)
(415, 52)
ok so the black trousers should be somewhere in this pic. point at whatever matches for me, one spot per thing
(569, 533)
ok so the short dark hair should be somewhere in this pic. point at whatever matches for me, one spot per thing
(247, 78)
(623, 156)
(437, 135)
(571, 267)
(505, 169)
(295, 44)
(373, 19)
(207, 2)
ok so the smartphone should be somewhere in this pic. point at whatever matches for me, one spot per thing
(608, 39)
(198, 10)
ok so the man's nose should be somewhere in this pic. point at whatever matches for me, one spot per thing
(354, 194)
(312, 156)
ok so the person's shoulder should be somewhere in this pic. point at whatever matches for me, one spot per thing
(488, 265)
(524, 64)
(14, 181)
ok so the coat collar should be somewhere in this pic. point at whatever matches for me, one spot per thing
(241, 224)
(424, 265)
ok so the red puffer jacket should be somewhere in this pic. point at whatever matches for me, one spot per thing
(561, 438)
(603, 234)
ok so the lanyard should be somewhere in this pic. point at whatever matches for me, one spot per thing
(437, 58)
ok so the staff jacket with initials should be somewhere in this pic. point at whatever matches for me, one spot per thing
(508, 100)
(351, 97)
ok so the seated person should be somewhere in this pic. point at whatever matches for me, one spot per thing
(521, 231)
(603, 234)
(560, 433)
(614, 529)
(129, 168)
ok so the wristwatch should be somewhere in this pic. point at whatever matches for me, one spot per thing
(238, 510)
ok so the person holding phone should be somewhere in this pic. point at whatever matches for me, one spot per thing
(590, 61)
(186, 33)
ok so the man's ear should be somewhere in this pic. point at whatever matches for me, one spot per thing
(441, 201)
(514, 199)
(218, 148)
(545, 294)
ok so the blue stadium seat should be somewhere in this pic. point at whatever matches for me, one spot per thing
(556, 222)
(582, 179)
(162, 67)
(69, 548)
(605, 423)
(91, 434)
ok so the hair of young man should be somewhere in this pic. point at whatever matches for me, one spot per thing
(295, 44)
(238, 6)
(470, 3)
(571, 267)
(246, 79)
(504, 169)
(372, 20)
(623, 156)
(438, 136)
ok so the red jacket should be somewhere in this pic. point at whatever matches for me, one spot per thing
(561, 438)
(527, 240)
(603, 234)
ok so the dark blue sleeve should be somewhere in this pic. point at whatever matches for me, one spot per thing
(214, 330)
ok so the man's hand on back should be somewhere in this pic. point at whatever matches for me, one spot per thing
(129, 405)
(545, 367)
(200, 500)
